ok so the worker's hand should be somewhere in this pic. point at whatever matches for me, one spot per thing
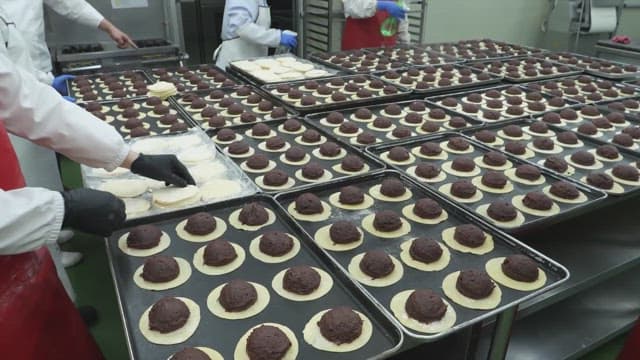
(70, 99)
(60, 83)
(165, 168)
(392, 8)
(92, 211)
(289, 40)
(121, 39)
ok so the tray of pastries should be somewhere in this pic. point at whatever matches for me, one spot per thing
(586, 89)
(109, 86)
(527, 69)
(194, 77)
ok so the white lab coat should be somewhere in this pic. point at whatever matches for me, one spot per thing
(245, 31)
(362, 9)
(30, 217)
(29, 18)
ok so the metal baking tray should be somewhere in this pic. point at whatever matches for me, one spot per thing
(606, 136)
(383, 136)
(531, 222)
(323, 103)
(194, 114)
(583, 62)
(175, 143)
(356, 56)
(503, 116)
(233, 69)
(184, 85)
(572, 70)
(589, 144)
(153, 123)
(504, 245)
(416, 56)
(374, 164)
(632, 82)
(223, 335)
(103, 93)
(558, 90)
(435, 88)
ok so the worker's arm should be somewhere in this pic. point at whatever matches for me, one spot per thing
(359, 9)
(82, 12)
(240, 20)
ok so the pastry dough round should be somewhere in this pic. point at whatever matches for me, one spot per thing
(164, 243)
(218, 189)
(616, 189)
(570, 170)
(622, 181)
(494, 269)
(449, 169)
(263, 146)
(338, 168)
(326, 176)
(177, 336)
(437, 265)
(176, 197)
(480, 163)
(271, 166)
(135, 206)
(595, 153)
(477, 181)
(597, 164)
(397, 306)
(283, 130)
(313, 336)
(407, 211)
(240, 352)
(375, 192)
(581, 198)
(316, 153)
(549, 133)
(524, 136)
(212, 354)
(578, 145)
(448, 238)
(305, 160)
(445, 146)
(392, 278)
(184, 274)
(519, 220)
(334, 199)
(446, 190)
(326, 283)
(216, 308)
(556, 149)
(221, 228)
(322, 237)
(412, 171)
(450, 290)
(198, 262)
(517, 202)
(511, 174)
(235, 221)
(322, 140)
(125, 188)
(385, 157)
(324, 215)
(367, 224)
(289, 184)
(254, 249)
(239, 156)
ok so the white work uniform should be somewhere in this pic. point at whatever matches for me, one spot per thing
(363, 9)
(31, 217)
(29, 18)
(246, 31)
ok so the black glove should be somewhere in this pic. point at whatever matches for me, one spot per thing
(165, 168)
(93, 211)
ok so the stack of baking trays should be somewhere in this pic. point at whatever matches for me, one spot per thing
(217, 178)
(341, 270)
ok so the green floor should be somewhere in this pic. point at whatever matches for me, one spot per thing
(93, 284)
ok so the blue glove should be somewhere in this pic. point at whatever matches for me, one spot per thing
(70, 99)
(289, 40)
(392, 8)
(60, 83)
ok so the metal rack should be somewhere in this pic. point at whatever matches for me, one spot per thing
(322, 22)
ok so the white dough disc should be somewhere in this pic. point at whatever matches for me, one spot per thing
(407, 211)
(218, 310)
(322, 237)
(218, 189)
(519, 220)
(449, 287)
(177, 336)
(398, 303)
(212, 354)
(367, 224)
(135, 206)
(448, 238)
(235, 221)
(580, 199)
(356, 273)
(221, 228)
(125, 188)
(324, 215)
(175, 196)
(183, 275)
(164, 243)
(334, 199)
(494, 269)
(377, 194)
(517, 201)
(314, 337)
(240, 352)
(326, 283)
(254, 249)
(437, 265)
(198, 262)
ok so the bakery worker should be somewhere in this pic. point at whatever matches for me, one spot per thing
(246, 32)
(39, 321)
(29, 18)
(364, 19)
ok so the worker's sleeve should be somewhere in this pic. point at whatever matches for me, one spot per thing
(359, 9)
(241, 17)
(37, 112)
(404, 37)
(77, 10)
(29, 218)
